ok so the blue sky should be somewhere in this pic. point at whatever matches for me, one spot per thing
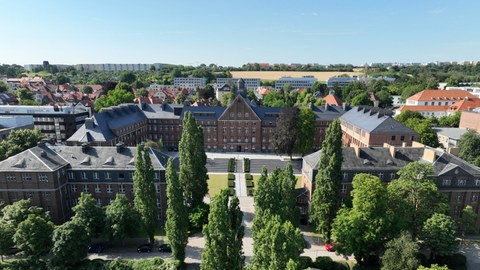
(238, 32)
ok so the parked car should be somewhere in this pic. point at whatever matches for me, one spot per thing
(95, 248)
(144, 248)
(330, 247)
(165, 248)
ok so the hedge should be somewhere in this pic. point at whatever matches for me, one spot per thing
(248, 176)
(250, 191)
(246, 165)
(231, 176)
(231, 191)
(249, 183)
(231, 165)
(231, 183)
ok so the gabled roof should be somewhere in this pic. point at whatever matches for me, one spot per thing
(465, 104)
(332, 99)
(441, 95)
(240, 98)
(39, 158)
(375, 122)
(423, 108)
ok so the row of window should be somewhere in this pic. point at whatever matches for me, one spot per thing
(106, 175)
(460, 182)
(27, 177)
(108, 188)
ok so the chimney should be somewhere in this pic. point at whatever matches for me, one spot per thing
(119, 146)
(454, 151)
(343, 106)
(392, 151)
(404, 144)
(85, 147)
(357, 150)
(326, 106)
(89, 123)
(386, 145)
(417, 145)
(429, 155)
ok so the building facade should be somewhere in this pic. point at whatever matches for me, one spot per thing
(250, 83)
(9, 123)
(55, 122)
(189, 81)
(367, 126)
(470, 120)
(54, 176)
(302, 82)
(456, 178)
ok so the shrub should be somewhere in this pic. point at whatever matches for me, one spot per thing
(231, 191)
(246, 165)
(340, 265)
(231, 183)
(324, 263)
(121, 265)
(231, 176)
(250, 191)
(198, 216)
(249, 183)
(248, 176)
(231, 165)
(97, 264)
(153, 263)
(456, 261)
(304, 262)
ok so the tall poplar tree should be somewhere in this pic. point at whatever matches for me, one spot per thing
(236, 259)
(193, 173)
(326, 196)
(145, 198)
(176, 226)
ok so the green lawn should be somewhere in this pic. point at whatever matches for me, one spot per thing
(217, 182)
(257, 176)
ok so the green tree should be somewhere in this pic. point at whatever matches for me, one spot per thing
(306, 130)
(193, 173)
(362, 99)
(405, 115)
(328, 181)
(120, 218)
(87, 89)
(127, 77)
(433, 267)
(180, 98)
(274, 99)
(6, 237)
(34, 236)
(468, 221)
(415, 197)
(277, 243)
(89, 214)
(236, 259)
(19, 211)
(424, 127)
(400, 254)
(176, 226)
(439, 235)
(20, 140)
(216, 233)
(450, 120)
(70, 242)
(286, 134)
(113, 98)
(24, 93)
(291, 265)
(470, 147)
(3, 87)
(227, 98)
(145, 198)
(384, 98)
(362, 230)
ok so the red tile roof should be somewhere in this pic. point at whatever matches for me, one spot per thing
(425, 108)
(465, 105)
(429, 95)
(333, 100)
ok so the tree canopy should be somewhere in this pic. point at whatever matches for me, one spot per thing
(113, 98)
(286, 134)
(33, 236)
(400, 254)
(18, 141)
(439, 235)
(89, 214)
(120, 218)
(470, 147)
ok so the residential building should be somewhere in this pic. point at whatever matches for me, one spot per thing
(470, 120)
(456, 178)
(474, 90)
(250, 83)
(333, 100)
(302, 82)
(8, 99)
(189, 82)
(9, 123)
(55, 122)
(117, 67)
(346, 81)
(449, 138)
(397, 101)
(367, 126)
(54, 176)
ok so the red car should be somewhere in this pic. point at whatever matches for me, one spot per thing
(330, 247)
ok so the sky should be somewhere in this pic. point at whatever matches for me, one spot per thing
(236, 32)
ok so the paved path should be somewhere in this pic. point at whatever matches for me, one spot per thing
(242, 185)
(247, 207)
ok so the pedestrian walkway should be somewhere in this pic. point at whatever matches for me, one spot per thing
(240, 179)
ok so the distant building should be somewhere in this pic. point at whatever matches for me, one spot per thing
(189, 82)
(456, 178)
(55, 122)
(470, 120)
(303, 82)
(346, 81)
(54, 176)
(397, 101)
(117, 67)
(449, 137)
(9, 123)
(367, 126)
(250, 83)
(333, 100)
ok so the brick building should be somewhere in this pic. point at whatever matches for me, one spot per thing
(456, 178)
(54, 176)
(470, 120)
(242, 126)
(367, 126)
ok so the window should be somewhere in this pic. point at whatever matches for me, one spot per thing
(42, 177)
(246, 115)
(254, 130)
(26, 177)
(121, 188)
(107, 175)
(95, 175)
(99, 201)
(86, 189)
(46, 195)
(475, 197)
(74, 188)
(446, 182)
(461, 182)
(121, 175)
(393, 138)
(11, 177)
(380, 175)
(97, 188)
(232, 114)
(344, 188)
(70, 175)
(402, 138)
(109, 188)
(83, 175)
(345, 176)
(392, 175)
(157, 188)
(158, 203)
(459, 197)
(157, 176)
(477, 182)
(254, 139)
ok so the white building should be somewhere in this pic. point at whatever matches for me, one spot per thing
(397, 101)
(303, 82)
(250, 83)
(117, 67)
(473, 90)
(189, 82)
(346, 81)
